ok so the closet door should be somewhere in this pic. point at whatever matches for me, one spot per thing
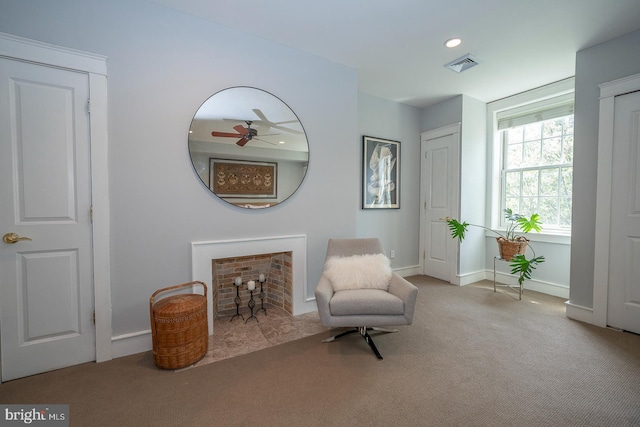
(440, 189)
(46, 285)
(623, 299)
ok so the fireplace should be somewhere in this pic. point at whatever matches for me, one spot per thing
(203, 254)
(276, 268)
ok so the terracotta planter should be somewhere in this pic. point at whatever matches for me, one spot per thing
(510, 248)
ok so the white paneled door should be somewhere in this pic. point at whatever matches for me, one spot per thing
(439, 187)
(623, 300)
(46, 278)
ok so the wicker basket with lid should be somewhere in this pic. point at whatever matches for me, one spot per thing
(179, 327)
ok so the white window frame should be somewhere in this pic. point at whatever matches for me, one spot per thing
(494, 109)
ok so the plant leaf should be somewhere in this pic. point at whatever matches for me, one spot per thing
(457, 228)
(528, 224)
(523, 266)
(508, 214)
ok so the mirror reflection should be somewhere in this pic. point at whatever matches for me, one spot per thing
(248, 147)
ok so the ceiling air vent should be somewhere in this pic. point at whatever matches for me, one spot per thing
(463, 63)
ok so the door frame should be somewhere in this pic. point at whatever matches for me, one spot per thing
(608, 92)
(95, 66)
(425, 137)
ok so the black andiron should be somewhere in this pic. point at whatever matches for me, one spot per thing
(262, 294)
(238, 283)
(251, 285)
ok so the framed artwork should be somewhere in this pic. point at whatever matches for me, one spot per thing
(242, 178)
(380, 173)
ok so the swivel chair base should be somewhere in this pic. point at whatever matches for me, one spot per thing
(363, 332)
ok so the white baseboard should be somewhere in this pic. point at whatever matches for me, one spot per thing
(469, 278)
(579, 313)
(408, 271)
(548, 288)
(127, 344)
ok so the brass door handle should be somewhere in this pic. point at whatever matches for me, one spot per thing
(12, 238)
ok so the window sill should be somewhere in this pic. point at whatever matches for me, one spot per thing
(545, 237)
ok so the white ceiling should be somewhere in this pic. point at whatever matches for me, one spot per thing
(397, 45)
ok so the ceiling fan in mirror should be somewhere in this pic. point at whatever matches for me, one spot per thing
(245, 134)
(248, 133)
(266, 122)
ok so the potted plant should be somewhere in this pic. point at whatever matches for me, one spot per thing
(511, 244)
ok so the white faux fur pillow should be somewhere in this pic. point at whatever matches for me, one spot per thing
(359, 272)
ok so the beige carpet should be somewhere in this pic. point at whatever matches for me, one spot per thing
(472, 358)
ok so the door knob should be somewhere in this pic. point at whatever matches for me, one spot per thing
(12, 238)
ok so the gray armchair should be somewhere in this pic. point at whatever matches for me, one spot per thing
(364, 309)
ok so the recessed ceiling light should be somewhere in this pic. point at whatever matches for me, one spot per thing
(454, 42)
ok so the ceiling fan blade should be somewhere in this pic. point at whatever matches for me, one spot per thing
(241, 130)
(260, 115)
(225, 134)
(275, 125)
(242, 141)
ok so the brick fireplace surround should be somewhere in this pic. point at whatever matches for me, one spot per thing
(284, 250)
(277, 287)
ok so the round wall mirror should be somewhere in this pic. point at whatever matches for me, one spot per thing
(248, 147)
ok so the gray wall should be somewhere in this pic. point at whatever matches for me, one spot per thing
(599, 64)
(445, 113)
(397, 229)
(473, 189)
(162, 66)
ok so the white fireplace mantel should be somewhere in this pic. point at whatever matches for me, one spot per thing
(203, 252)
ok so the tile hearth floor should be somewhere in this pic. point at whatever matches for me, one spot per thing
(235, 337)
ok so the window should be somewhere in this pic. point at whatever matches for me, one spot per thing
(537, 171)
(533, 155)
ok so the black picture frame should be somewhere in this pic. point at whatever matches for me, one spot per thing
(380, 173)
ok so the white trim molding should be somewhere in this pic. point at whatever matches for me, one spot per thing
(470, 278)
(132, 343)
(49, 54)
(579, 313)
(408, 271)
